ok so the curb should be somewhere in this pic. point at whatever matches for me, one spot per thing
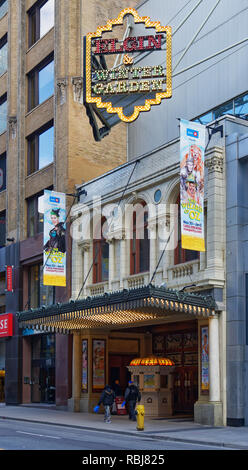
(132, 433)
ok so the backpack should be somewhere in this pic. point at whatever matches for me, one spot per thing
(134, 393)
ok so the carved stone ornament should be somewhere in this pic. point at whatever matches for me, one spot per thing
(13, 126)
(77, 83)
(215, 162)
(84, 245)
(62, 84)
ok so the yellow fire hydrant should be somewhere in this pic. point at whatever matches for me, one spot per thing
(140, 412)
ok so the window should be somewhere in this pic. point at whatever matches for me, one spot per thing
(2, 172)
(140, 244)
(226, 108)
(38, 294)
(3, 8)
(40, 149)
(181, 255)
(241, 106)
(35, 214)
(41, 20)
(100, 257)
(41, 83)
(2, 229)
(3, 113)
(237, 106)
(205, 118)
(3, 54)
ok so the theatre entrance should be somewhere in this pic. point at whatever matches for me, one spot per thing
(179, 342)
(118, 369)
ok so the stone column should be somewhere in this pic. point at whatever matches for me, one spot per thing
(111, 262)
(214, 360)
(77, 272)
(86, 265)
(123, 261)
(216, 214)
(153, 250)
(74, 402)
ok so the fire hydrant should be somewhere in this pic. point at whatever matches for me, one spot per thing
(140, 412)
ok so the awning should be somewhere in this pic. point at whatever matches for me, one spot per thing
(121, 309)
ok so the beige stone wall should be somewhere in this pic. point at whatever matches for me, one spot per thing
(86, 158)
(77, 156)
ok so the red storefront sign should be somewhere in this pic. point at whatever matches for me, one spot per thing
(6, 325)
(9, 271)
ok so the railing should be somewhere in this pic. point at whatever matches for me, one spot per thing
(136, 280)
(185, 272)
(97, 289)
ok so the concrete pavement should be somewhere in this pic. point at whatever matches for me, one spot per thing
(178, 429)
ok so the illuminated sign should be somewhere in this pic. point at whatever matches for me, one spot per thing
(6, 325)
(109, 86)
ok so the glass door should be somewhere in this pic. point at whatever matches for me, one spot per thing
(43, 369)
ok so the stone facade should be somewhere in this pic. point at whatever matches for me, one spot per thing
(160, 170)
(77, 157)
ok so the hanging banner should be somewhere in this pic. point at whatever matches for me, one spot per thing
(54, 250)
(9, 278)
(192, 149)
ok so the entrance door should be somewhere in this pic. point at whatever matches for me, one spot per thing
(118, 370)
(185, 389)
(43, 369)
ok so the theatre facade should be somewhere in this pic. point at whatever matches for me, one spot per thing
(137, 294)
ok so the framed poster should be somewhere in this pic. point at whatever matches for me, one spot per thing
(98, 364)
(84, 384)
(149, 381)
(204, 361)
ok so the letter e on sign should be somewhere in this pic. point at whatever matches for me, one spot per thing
(6, 325)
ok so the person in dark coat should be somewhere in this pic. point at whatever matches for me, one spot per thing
(132, 395)
(117, 388)
(107, 399)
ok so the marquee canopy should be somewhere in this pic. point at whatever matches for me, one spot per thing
(121, 309)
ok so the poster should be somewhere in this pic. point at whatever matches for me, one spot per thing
(192, 154)
(204, 360)
(98, 372)
(85, 365)
(54, 249)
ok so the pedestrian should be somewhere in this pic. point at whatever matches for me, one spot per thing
(132, 395)
(107, 399)
(117, 388)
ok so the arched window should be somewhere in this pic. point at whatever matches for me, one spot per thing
(140, 243)
(181, 255)
(100, 257)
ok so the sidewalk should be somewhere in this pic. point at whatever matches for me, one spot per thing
(173, 429)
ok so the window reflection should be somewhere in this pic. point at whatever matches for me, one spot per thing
(226, 108)
(46, 140)
(46, 82)
(3, 115)
(3, 55)
(3, 8)
(241, 105)
(46, 17)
